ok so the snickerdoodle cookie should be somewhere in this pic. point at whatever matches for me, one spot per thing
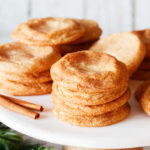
(125, 46)
(89, 71)
(48, 31)
(22, 58)
(96, 121)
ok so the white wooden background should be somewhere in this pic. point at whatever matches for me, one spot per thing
(112, 15)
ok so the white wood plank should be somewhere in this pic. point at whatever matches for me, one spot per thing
(12, 12)
(112, 15)
(142, 14)
(60, 8)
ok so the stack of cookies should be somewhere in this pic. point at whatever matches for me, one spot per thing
(90, 89)
(24, 69)
(143, 73)
(25, 64)
(68, 35)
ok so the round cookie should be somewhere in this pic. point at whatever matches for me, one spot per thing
(48, 31)
(141, 75)
(125, 46)
(87, 110)
(22, 89)
(97, 121)
(89, 71)
(40, 77)
(83, 98)
(145, 65)
(142, 94)
(20, 58)
(92, 31)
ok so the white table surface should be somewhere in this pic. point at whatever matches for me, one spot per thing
(132, 132)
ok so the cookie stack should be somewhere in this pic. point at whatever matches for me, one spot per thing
(143, 73)
(68, 35)
(24, 69)
(25, 64)
(90, 89)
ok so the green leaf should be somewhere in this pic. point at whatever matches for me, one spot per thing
(28, 146)
(2, 126)
(44, 148)
(10, 140)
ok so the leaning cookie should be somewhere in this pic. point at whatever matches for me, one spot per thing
(21, 58)
(97, 121)
(22, 89)
(88, 110)
(48, 31)
(125, 46)
(142, 94)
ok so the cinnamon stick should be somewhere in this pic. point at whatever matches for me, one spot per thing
(25, 104)
(8, 104)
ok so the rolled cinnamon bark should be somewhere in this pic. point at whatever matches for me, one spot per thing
(8, 104)
(24, 103)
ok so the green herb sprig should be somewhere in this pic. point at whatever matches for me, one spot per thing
(11, 140)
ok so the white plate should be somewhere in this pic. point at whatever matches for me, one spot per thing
(132, 132)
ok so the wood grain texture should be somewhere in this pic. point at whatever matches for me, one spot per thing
(142, 14)
(113, 16)
(59, 8)
(12, 12)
